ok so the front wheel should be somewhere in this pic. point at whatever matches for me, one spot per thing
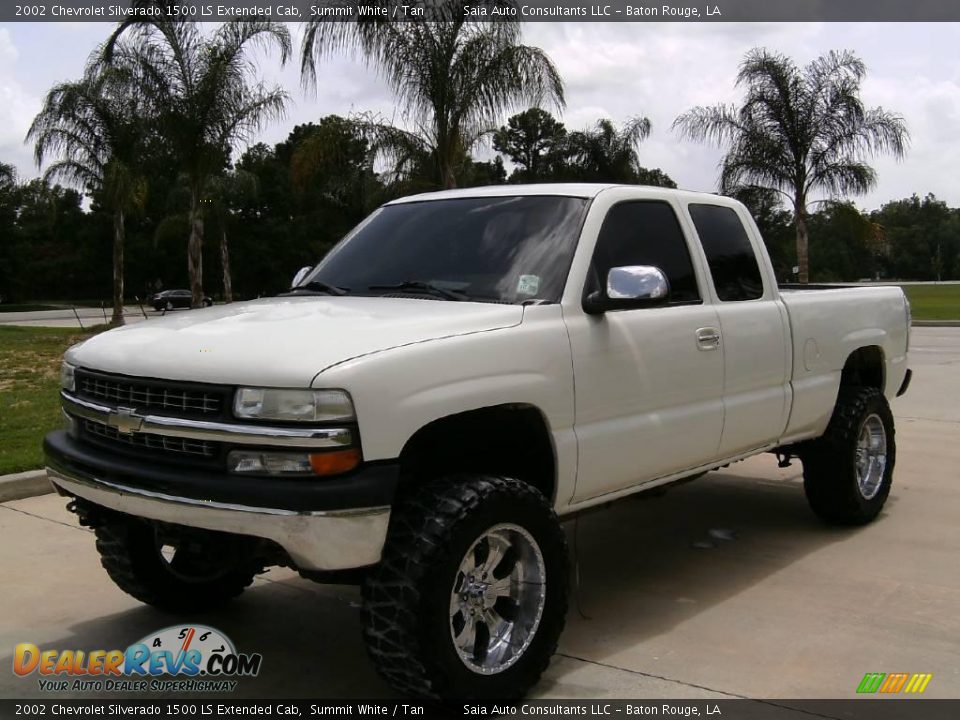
(178, 571)
(848, 472)
(471, 594)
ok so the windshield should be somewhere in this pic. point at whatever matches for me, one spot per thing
(495, 249)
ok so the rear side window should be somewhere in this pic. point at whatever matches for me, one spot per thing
(645, 233)
(732, 261)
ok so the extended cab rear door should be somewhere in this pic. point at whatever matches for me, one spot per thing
(754, 328)
(648, 387)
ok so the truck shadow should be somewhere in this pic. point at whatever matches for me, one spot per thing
(645, 566)
(651, 563)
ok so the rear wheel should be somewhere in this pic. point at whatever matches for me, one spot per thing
(183, 571)
(848, 472)
(471, 594)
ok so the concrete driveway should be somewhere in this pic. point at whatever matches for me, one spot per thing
(726, 587)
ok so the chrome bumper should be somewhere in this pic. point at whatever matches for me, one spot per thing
(325, 540)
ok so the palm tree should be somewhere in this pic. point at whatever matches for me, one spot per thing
(8, 175)
(94, 128)
(798, 131)
(606, 154)
(203, 98)
(453, 78)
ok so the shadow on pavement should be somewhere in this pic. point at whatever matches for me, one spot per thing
(645, 565)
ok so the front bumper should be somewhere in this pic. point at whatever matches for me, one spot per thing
(321, 524)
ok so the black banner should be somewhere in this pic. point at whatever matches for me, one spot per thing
(523, 10)
(719, 709)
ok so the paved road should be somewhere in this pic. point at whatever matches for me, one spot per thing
(723, 587)
(65, 317)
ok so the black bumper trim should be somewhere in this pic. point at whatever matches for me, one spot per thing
(371, 485)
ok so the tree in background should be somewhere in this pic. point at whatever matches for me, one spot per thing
(227, 193)
(799, 131)
(8, 219)
(921, 238)
(542, 150)
(605, 153)
(453, 80)
(846, 243)
(535, 142)
(203, 99)
(94, 129)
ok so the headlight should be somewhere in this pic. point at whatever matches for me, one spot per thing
(67, 379)
(293, 405)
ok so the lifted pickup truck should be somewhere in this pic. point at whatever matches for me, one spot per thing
(462, 370)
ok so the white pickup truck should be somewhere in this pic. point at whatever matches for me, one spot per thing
(459, 373)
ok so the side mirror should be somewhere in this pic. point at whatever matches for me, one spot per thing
(630, 286)
(301, 274)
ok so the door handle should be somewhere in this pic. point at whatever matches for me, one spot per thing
(708, 338)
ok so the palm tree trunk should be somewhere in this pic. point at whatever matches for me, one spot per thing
(447, 177)
(195, 250)
(118, 233)
(225, 264)
(803, 257)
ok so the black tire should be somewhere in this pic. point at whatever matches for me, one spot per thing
(130, 553)
(406, 598)
(830, 477)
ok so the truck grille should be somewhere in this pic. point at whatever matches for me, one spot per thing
(158, 397)
(182, 446)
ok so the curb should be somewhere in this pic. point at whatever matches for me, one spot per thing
(24, 485)
(936, 323)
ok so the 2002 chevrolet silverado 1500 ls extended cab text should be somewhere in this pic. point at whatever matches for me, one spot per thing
(462, 370)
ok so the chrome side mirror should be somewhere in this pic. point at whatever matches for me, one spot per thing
(629, 286)
(301, 274)
(637, 282)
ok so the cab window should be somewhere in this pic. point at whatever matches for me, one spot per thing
(645, 232)
(730, 256)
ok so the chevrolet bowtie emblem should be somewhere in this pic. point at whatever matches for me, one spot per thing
(125, 420)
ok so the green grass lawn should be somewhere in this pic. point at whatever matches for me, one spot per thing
(934, 302)
(29, 391)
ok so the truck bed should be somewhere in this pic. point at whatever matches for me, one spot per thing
(829, 322)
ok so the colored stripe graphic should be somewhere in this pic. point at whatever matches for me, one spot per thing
(918, 683)
(894, 682)
(871, 682)
(913, 683)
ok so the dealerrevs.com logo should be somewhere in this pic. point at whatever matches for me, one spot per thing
(199, 659)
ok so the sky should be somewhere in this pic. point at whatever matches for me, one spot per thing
(613, 70)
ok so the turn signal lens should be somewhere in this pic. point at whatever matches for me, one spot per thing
(334, 463)
(258, 462)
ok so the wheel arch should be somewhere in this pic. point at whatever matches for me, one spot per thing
(865, 367)
(510, 439)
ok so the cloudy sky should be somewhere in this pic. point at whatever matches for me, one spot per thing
(613, 70)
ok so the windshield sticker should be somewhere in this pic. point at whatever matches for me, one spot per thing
(528, 285)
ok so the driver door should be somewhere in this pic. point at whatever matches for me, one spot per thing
(649, 383)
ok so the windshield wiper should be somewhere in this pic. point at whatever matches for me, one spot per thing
(422, 286)
(319, 286)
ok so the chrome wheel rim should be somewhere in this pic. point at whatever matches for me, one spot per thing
(497, 599)
(871, 456)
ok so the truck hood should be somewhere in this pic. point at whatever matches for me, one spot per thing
(281, 342)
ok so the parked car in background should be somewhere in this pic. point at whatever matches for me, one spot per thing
(170, 299)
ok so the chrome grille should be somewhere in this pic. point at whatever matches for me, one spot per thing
(143, 395)
(184, 446)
